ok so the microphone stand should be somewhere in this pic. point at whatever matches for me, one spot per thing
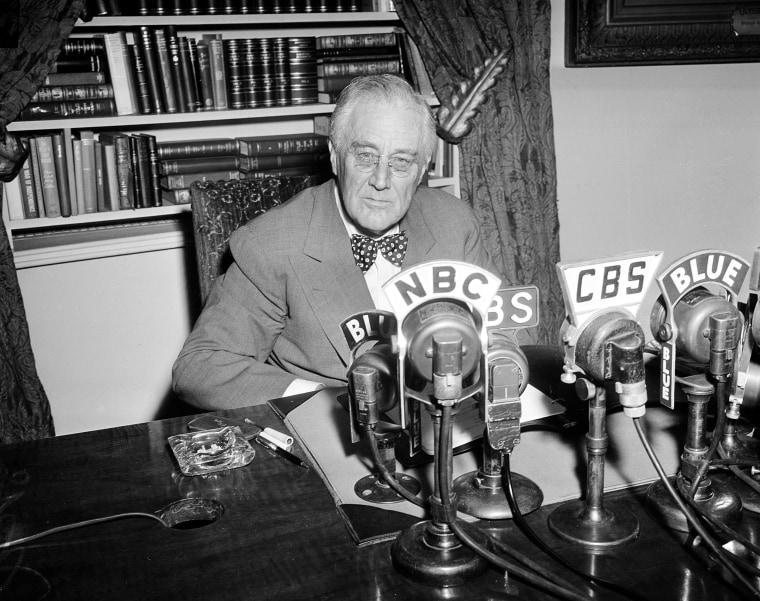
(429, 551)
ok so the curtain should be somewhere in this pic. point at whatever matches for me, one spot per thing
(507, 164)
(31, 35)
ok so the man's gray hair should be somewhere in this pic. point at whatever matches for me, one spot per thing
(389, 89)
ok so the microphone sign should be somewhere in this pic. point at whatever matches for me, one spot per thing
(703, 267)
(618, 282)
(368, 325)
(513, 308)
(438, 280)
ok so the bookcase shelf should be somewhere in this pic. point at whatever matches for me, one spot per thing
(86, 236)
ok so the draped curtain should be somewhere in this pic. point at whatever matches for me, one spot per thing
(507, 162)
(31, 35)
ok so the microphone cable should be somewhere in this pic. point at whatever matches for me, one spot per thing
(554, 585)
(385, 473)
(525, 528)
(723, 557)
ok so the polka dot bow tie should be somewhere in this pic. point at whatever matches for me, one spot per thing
(393, 248)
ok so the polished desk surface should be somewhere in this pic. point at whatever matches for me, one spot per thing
(280, 537)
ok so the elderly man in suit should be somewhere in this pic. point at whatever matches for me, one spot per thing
(271, 325)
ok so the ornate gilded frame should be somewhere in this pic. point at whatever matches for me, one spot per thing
(655, 32)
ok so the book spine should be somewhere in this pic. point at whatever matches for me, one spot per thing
(168, 69)
(135, 173)
(362, 40)
(26, 182)
(72, 92)
(154, 171)
(89, 175)
(124, 172)
(216, 54)
(197, 164)
(111, 176)
(278, 161)
(234, 73)
(78, 175)
(100, 182)
(358, 67)
(121, 75)
(206, 76)
(197, 148)
(48, 178)
(104, 107)
(281, 72)
(298, 144)
(302, 62)
(36, 177)
(145, 40)
(192, 47)
(14, 199)
(187, 76)
(76, 64)
(184, 180)
(62, 173)
(93, 45)
(141, 78)
(75, 79)
(180, 196)
(142, 163)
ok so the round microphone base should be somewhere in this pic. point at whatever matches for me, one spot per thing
(482, 495)
(597, 528)
(432, 554)
(715, 500)
(727, 481)
(374, 489)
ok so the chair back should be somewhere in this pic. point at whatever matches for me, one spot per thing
(220, 207)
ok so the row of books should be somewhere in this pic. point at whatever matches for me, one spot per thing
(90, 172)
(233, 7)
(163, 72)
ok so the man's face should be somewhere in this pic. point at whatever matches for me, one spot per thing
(375, 198)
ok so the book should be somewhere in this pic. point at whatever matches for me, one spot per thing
(78, 63)
(14, 199)
(100, 182)
(206, 76)
(196, 164)
(144, 39)
(358, 66)
(36, 176)
(360, 40)
(282, 144)
(62, 161)
(218, 70)
(139, 198)
(26, 184)
(168, 66)
(124, 177)
(76, 145)
(141, 167)
(137, 58)
(110, 174)
(103, 107)
(122, 77)
(355, 52)
(179, 196)
(83, 46)
(154, 170)
(197, 148)
(184, 180)
(75, 79)
(302, 63)
(73, 92)
(187, 77)
(234, 73)
(49, 180)
(192, 50)
(89, 175)
(279, 161)
(281, 72)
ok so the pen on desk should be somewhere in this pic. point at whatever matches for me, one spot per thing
(281, 452)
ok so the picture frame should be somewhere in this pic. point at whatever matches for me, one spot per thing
(653, 32)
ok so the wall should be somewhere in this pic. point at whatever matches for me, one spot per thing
(656, 157)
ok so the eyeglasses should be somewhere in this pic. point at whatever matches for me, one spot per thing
(366, 161)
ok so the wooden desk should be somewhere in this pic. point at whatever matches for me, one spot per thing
(280, 537)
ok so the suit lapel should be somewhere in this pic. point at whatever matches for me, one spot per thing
(333, 285)
(421, 239)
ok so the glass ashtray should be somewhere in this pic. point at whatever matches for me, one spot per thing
(209, 451)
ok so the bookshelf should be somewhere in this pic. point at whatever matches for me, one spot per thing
(41, 241)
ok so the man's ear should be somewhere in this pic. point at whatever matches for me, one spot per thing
(333, 157)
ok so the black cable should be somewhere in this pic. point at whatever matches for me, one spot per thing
(720, 553)
(566, 590)
(525, 528)
(385, 473)
(65, 527)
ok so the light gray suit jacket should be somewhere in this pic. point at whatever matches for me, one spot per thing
(276, 314)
